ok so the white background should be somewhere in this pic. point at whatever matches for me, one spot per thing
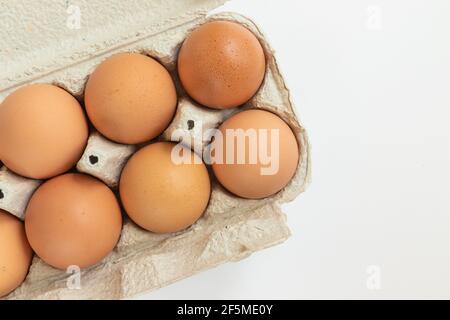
(371, 82)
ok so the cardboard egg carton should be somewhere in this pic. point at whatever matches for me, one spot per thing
(48, 51)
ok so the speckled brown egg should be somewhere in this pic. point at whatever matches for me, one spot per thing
(130, 98)
(73, 219)
(43, 131)
(160, 193)
(15, 253)
(221, 64)
(257, 155)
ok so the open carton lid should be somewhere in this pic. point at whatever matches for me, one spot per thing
(38, 38)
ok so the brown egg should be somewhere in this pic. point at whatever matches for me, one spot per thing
(259, 156)
(73, 219)
(161, 195)
(43, 131)
(15, 253)
(221, 64)
(130, 98)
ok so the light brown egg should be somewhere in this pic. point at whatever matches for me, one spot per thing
(43, 131)
(73, 219)
(15, 253)
(269, 159)
(130, 98)
(161, 195)
(221, 64)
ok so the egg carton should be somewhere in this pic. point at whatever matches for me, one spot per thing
(231, 228)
